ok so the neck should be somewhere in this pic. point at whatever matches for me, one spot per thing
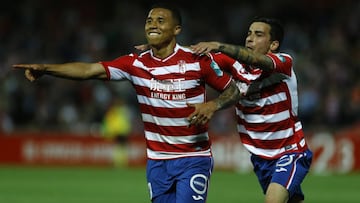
(163, 51)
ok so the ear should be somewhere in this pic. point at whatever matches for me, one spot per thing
(177, 29)
(274, 45)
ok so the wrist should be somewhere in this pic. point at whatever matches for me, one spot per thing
(44, 67)
(220, 46)
(216, 105)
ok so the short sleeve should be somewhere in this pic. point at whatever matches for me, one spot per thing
(213, 74)
(282, 62)
(120, 68)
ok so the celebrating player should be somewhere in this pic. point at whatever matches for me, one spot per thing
(268, 125)
(169, 80)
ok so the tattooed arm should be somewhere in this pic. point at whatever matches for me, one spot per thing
(230, 96)
(240, 53)
(204, 111)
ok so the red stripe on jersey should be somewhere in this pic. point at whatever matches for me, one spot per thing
(265, 110)
(274, 112)
(191, 147)
(266, 127)
(282, 62)
(166, 112)
(182, 66)
(265, 144)
(274, 89)
(175, 130)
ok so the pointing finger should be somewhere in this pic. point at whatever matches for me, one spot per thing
(29, 66)
(21, 66)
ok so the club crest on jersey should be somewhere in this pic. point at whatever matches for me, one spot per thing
(182, 66)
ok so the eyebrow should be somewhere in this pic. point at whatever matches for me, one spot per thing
(259, 32)
(256, 31)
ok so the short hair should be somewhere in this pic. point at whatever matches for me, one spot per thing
(174, 10)
(276, 28)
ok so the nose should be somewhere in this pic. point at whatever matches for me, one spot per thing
(152, 24)
(249, 38)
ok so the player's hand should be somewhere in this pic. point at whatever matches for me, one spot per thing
(32, 71)
(202, 114)
(142, 47)
(205, 47)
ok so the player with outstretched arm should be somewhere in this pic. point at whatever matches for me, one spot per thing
(169, 81)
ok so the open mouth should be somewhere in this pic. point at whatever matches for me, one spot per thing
(249, 47)
(153, 33)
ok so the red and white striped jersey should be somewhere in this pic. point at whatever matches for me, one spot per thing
(164, 87)
(268, 125)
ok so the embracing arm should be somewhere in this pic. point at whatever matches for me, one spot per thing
(75, 70)
(204, 111)
(228, 97)
(240, 53)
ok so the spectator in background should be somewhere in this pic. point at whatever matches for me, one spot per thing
(116, 126)
(117, 121)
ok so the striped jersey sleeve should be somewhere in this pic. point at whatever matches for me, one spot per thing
(268, 126)
(164, 87)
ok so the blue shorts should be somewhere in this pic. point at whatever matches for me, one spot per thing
(288, 171)
(183, 180)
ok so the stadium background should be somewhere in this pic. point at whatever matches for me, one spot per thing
(58, 122)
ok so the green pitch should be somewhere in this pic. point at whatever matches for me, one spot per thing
(106, 185)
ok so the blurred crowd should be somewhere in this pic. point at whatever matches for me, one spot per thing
(321, 35)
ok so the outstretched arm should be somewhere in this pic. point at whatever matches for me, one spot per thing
(204, 111)
(240, 53)
(75, 71)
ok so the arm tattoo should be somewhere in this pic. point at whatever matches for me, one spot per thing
(230, 96)
(244, 55)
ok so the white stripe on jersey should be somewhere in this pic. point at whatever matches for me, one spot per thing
(264, 152)
(292, 85)
(246, 111)
(118, 74)
(170, 103)
(189, 139)
(273, 99)
(165, 155)
(298, 126)
(164, 121)
(270, 118)
(245, 74)
(162, 70)
(163, 86)
(281, 134)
